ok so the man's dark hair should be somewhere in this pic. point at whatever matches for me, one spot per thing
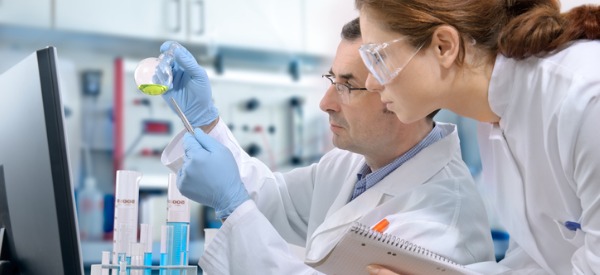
(351, 32)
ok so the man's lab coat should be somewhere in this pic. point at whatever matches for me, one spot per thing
(430, 200)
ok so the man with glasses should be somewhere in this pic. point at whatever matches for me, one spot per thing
(412, 175)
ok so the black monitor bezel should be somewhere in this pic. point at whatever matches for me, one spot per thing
(63, 193)
(64, 200)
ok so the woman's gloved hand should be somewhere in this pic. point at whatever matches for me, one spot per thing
(210, 175)
(191, 88)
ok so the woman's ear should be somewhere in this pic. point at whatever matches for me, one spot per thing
(446, 44)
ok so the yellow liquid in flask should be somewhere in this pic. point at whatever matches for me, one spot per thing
(153, 89)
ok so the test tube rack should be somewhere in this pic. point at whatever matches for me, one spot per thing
(101, 269)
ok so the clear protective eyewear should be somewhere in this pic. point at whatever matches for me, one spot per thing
(343, 89)
(383, 63)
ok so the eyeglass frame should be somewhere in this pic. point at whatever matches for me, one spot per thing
(345, 85)
(375, 48)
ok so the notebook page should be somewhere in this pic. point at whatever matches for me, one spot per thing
(361, 246)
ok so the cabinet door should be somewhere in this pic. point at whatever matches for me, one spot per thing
(324, 22)
(272, 25)
(158, 19)
(196, 23)
(31, 13)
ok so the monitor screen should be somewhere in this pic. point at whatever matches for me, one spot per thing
(37, 206)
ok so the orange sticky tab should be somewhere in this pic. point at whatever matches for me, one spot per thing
(381, 226)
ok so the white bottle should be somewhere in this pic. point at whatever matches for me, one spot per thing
(91, 211)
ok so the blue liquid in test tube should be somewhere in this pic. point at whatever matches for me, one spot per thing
(147, 262)
(146, 241)
(177, 247)
(178, 218)
(165, 232)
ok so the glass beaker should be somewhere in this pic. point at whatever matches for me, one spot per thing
(153, 75)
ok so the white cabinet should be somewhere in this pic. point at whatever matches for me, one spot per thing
(30, 13)
(295, 26)
(156, 19)
(272, 25)
(323, 24)
(249, 24)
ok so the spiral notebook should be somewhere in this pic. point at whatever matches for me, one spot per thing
(361, 246)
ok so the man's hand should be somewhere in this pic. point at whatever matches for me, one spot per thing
(191, 88)
(210, 175)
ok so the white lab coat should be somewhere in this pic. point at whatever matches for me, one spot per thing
(542, 161)
(431, 199)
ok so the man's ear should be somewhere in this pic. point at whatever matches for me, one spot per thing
(445, 42)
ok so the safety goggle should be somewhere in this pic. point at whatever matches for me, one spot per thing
(384, 63)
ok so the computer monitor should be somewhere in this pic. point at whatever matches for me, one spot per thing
(37, 206)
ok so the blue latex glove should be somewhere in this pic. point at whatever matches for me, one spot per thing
(209, 175)
(191, 88)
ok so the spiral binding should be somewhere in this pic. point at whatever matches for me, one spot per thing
(366, 231)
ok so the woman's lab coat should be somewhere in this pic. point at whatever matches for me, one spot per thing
(542, 162)
(431, 200)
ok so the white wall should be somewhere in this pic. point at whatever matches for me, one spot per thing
(569, 4)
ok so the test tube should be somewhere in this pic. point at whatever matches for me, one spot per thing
(166, 233)
(123, 268)
(126, 212)
(105, 261)
(178, 216)
(137, 257)
(130, 252)
(119, 256)
(146, 240)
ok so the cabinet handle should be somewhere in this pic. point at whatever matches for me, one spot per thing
(198, 26)
(175, 18)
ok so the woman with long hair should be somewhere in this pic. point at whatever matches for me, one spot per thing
(530, 74)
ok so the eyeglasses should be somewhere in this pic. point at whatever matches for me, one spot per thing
(379, 61)
(343, 89)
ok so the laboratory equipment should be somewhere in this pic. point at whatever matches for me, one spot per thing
(35, 182)
(90, 206)
(90, 82)
(173, 155)
(146, 240)
(178, 217)
(153, 75)
(137, 263)
(184, 119)
(137, 257)
(105, 261)
(126, 213)
(141, 130)
(97, 269)
(296, 118)
(165, 232)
